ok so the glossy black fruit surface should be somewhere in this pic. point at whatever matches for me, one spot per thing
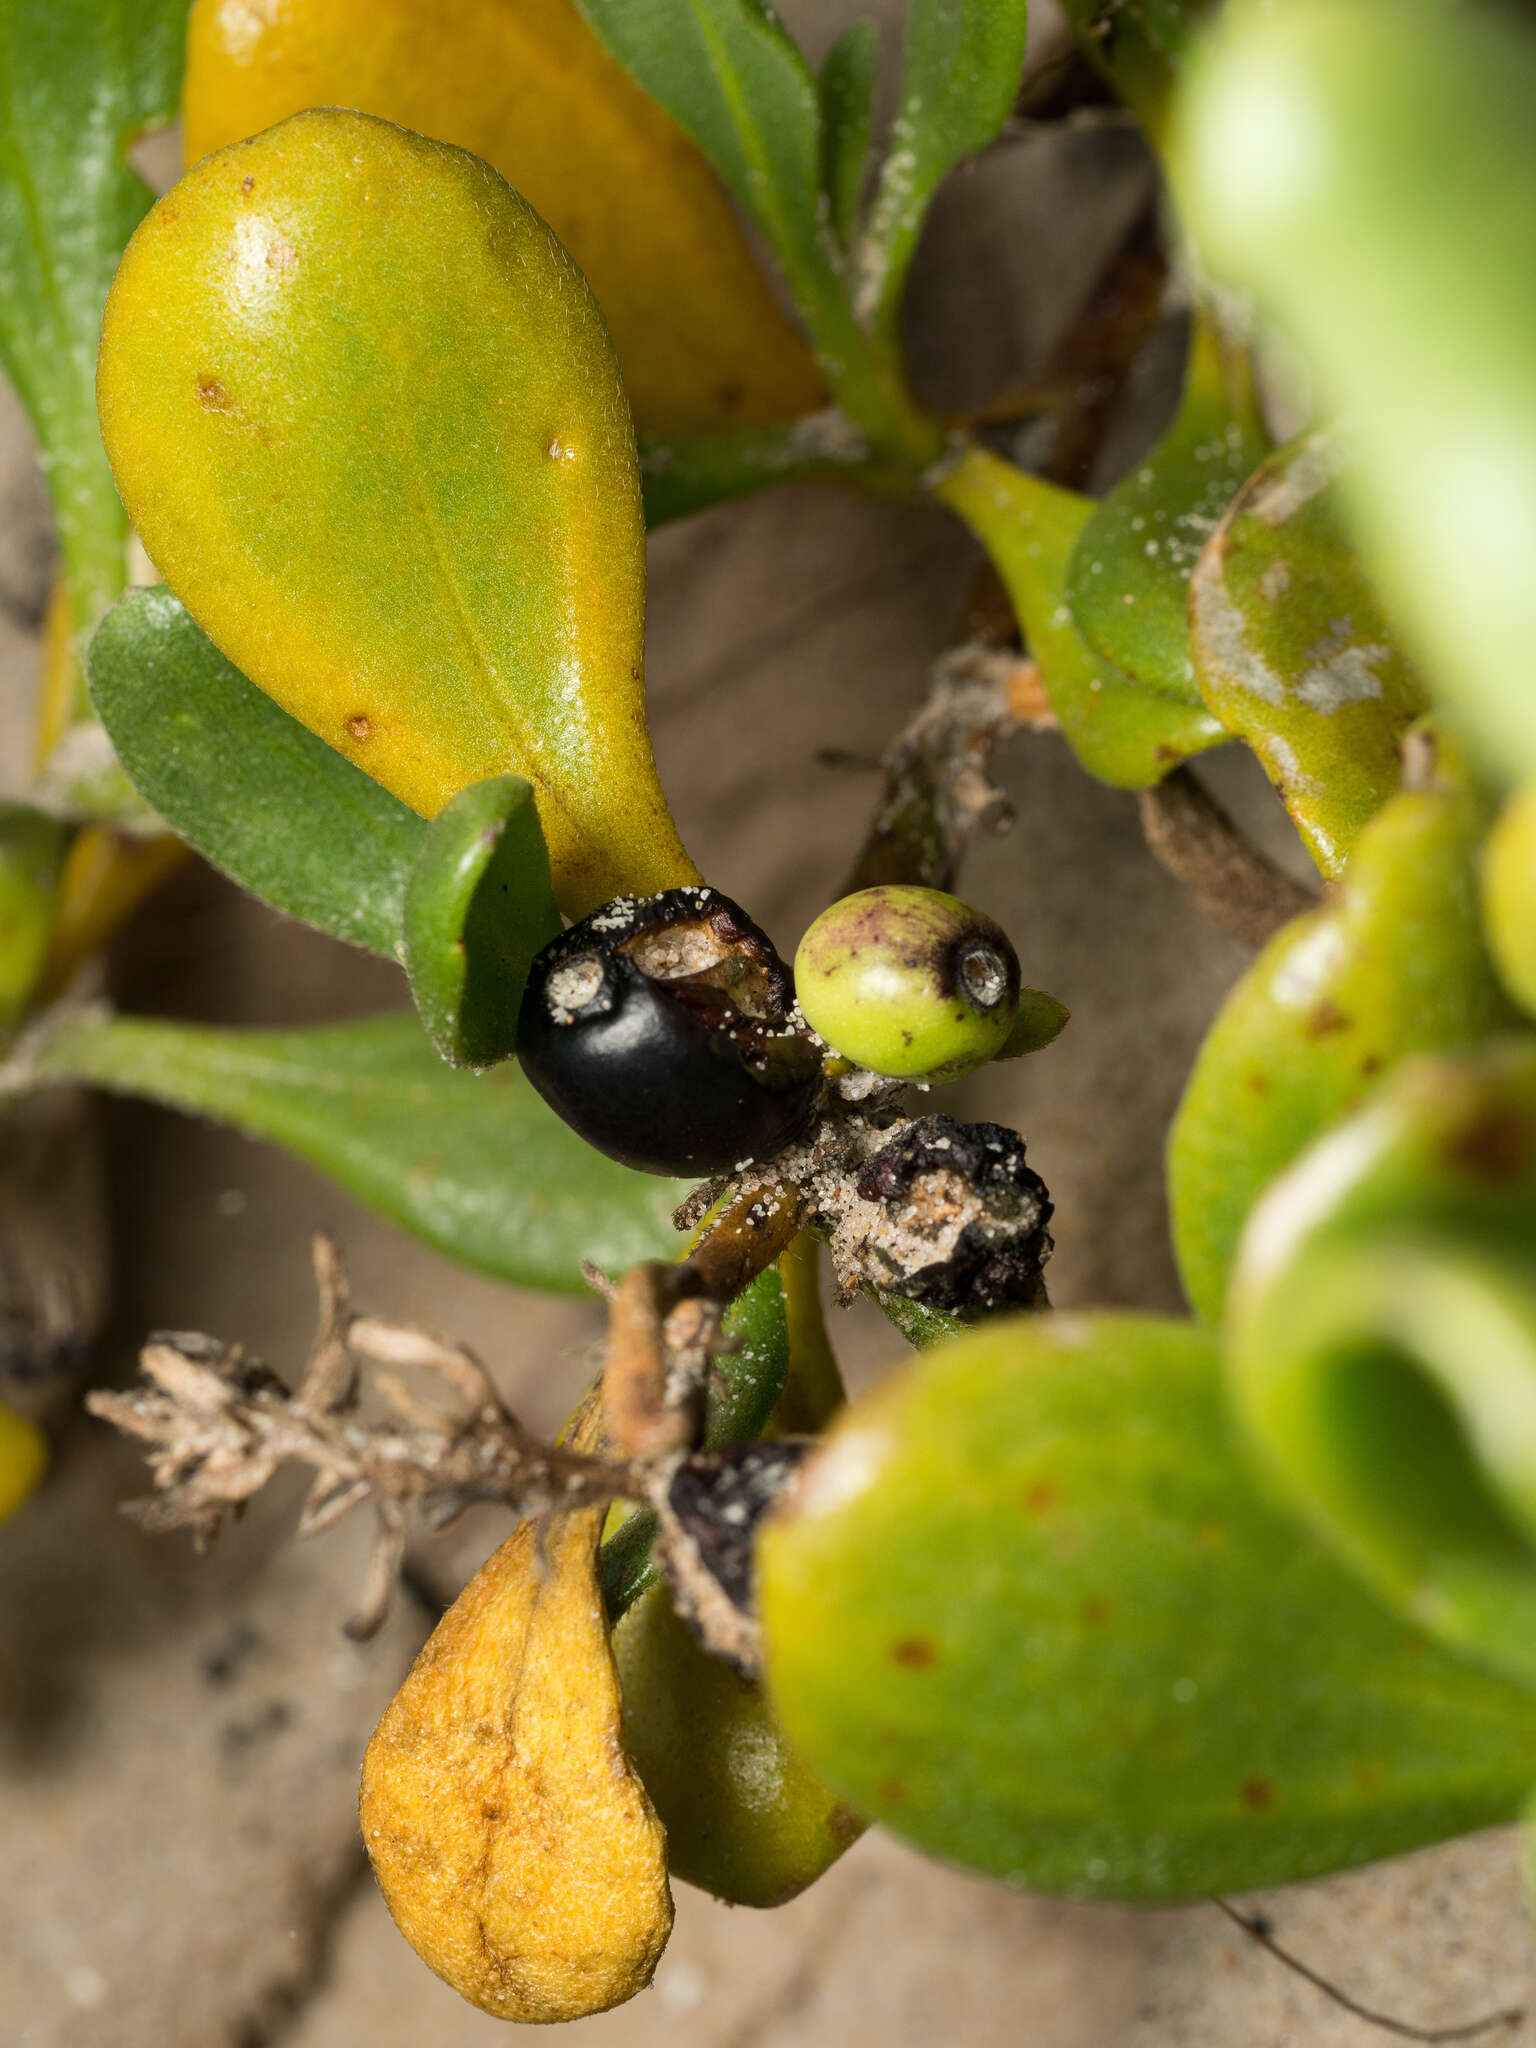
(657, 1029)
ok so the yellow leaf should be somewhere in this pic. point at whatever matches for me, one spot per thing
(526, 85)
(514, 1845)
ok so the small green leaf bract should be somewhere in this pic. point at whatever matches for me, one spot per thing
(747, 1385)
(961, 65)
(473, 1164)
(1028, 1609)
(479, 905)
(255, 792)
(846, 88)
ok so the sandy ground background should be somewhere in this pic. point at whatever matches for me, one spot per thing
(179, 1738)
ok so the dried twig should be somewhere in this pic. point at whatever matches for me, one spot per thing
(220, 1424)
(1233, 883)
(937, 792)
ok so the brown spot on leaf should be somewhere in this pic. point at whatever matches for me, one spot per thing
(1094, 1613)
(730, 395)
(1371, 1064)
(1258, 1083)
(1493, 1147)
(1257, 1794)
(893, 1792)
(247, 184)
(211, 393)
(914, 1654)
(1040, 1498)
(1325, 1019)
(1368, 1776)
(360, 725)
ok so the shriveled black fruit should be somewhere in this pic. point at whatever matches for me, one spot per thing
(657, 1028)
(964, 1217)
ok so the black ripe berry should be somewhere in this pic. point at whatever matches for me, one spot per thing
(657, 1029)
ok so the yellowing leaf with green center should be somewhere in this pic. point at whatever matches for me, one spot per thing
(1392, 962)
(1293, 653)
(363, 410)
(528, 86)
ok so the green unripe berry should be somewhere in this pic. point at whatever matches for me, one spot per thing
(909, 981)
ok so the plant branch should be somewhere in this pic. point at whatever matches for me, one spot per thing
(938, 792)
(1194, 838)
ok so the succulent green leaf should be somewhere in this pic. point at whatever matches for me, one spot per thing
(1128, 582)
(746, 1819)
(744, 1393)
(255, 792)
(1293, 654)
(729, 73)
(78, 80)
(1509, 896)
(1323, 160)
(1121, 733)
(961, 64)
(1027, 1609)
(1392, 963)
(31, 854)
(473, 1164)
(845, 87)
(1382, 1346)
(479, 906)
(367, 419)
(1140, 46)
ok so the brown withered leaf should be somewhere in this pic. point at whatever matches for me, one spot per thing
(514, 1845)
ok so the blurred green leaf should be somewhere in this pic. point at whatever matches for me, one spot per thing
(255, 792)
(1128, 582)
(1392, 963)
(1368, 168)
(1139, 45)
(1382, 1345)
(1293, 654)
(1509, 896)
(961, 65)
(1121, 733)
(31, 854)
(78, 80)
(473, 1164)
(845, 87)
(478, 908)
(1027, 1610)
